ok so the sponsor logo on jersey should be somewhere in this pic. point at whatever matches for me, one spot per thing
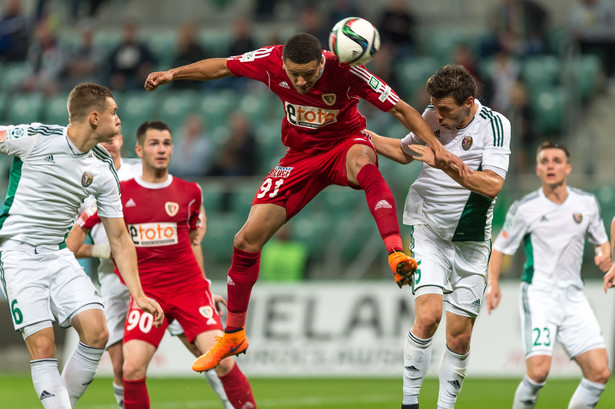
(229, 280)
(385, 93)
(466, 143)
(49, 158)
(578, 217)
(374, 83)
(153, 234)
(2, 135)
(383, 204)
(171, 208)
(130, 203)
(284, 84)
(86, 179)
(15, 133)
(280, 172)
(247, 57)
(310, 117)
(329, 99)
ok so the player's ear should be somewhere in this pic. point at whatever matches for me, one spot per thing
(93, 118)
(139, 150)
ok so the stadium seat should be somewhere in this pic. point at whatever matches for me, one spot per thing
(269, 148)
(134, 108)
(24, 109)
(55, 110)
(13, 75)
(3, 103)
(216, 42)
(312, 229)
(540, 73)
(255, 106)
(107, 41)
(175, 106)
(413, 73)
(549, 111)
(218, 241)
(163, 44)
(215, 107)
(586, 71)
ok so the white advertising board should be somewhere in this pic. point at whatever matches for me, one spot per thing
(358, 329)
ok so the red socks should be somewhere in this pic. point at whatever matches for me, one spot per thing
(382, 206)
(135, 394)
(237, 388)
(241, 278)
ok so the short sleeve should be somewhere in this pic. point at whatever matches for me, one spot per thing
(18, 140)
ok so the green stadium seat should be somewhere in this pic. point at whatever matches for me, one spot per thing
(218, 241)
(549, 111)
(216, 42)
(586, 72)
(215, 107)
(541, 73)
(174, 107)
(255, 106)
(25, 108)
(55, 110)
(13, 75)
(163, 44)
(212, 197)
(269, 148)
(3, 103)
(107, 41)
(312, 229)
(413, 74)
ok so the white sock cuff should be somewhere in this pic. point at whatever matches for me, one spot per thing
(592, 385)
(533, 384)
(45, 362)
(454, 354)
(88, 352)
(419, 342)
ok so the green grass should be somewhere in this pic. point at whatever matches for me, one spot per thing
(16, 392)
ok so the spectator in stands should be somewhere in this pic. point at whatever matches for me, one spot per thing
(46, 60)
(342, 9)
(283, 259)
(193, 150)
(91, 11)
(130, 62)
(311, 22)
(14, 32)
(517, 27)
(84, 63)
(593, 28)
(242, 37)
(238, 155)
(189, 50)
(396, 28)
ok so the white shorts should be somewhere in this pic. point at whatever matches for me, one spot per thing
(115, 297)
(458, 270)
(562, 314)
(43, 282)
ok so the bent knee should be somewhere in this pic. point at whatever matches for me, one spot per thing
(96, 338)
(601, 376)
(132, 371)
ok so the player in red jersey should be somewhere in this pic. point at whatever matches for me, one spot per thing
(162, 217)
(324, 132)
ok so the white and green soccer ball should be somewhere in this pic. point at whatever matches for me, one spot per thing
(354, 40)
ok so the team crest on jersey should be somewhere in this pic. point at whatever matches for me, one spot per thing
(172, 208)
(329, 99)
(466, 143)
(86, 179)
(578, 217)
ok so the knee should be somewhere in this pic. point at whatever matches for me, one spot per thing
(96, 337)
(425, 326)
(132, 371)
(41, 347)
(601, 376)
(459, 344)
(538, 374)
(242, 243)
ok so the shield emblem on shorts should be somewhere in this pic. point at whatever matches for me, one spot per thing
(172, 208)
(86, 179)
(329, 99)
(466, 143)
(206, 311)
(578, 217)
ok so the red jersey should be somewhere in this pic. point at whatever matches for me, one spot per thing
(327, 114)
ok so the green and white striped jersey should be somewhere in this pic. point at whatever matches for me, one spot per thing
(49, 179)
(553, 236)
(435, 199)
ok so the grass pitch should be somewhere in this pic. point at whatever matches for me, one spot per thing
(194, 393)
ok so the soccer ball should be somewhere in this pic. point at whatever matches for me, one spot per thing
(354, 40)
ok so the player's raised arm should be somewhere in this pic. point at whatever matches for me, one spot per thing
(125, 257)
(389, 147)
(414, 122)
(204, 70)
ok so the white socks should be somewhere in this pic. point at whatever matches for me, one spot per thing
(216, 385)
(451, 374)
(526, 394)
(80, 369)
(118, 392)
(417, 354)
(587, 395)
(48, 384)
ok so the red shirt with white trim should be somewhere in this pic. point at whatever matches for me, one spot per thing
(328, 113)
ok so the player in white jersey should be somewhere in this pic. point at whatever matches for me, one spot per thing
(54, 170)
(450, 218)
(552, 223)
(115, 295)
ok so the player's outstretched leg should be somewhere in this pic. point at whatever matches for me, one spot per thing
(382, 207)
(229, 344)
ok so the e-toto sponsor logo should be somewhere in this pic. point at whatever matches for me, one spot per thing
(310, 117)
(153, 234)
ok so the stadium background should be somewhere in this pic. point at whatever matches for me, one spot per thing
(570, 100)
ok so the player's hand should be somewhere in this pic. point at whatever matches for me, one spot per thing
(155, 79)
(493, 296)
(609, 279)
(150, 305)
(219, 301)
(423, 153)
(603, 262)
(444, 158)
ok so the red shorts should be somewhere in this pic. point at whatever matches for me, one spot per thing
(192, 306)
(299, 177)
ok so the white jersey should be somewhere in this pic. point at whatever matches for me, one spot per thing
(553, 236)
(129, 168)
(49, 179)
(435, 199)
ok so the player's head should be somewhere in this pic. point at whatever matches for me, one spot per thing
(114, 147)
(552, 163)
(154, 146)
(452, 91)
(95, 104)
(303, 61)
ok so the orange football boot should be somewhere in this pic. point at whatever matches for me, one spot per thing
(227, 345)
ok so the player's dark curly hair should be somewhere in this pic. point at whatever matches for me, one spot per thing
(147, 125)
(452, 80)
(302, 48)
